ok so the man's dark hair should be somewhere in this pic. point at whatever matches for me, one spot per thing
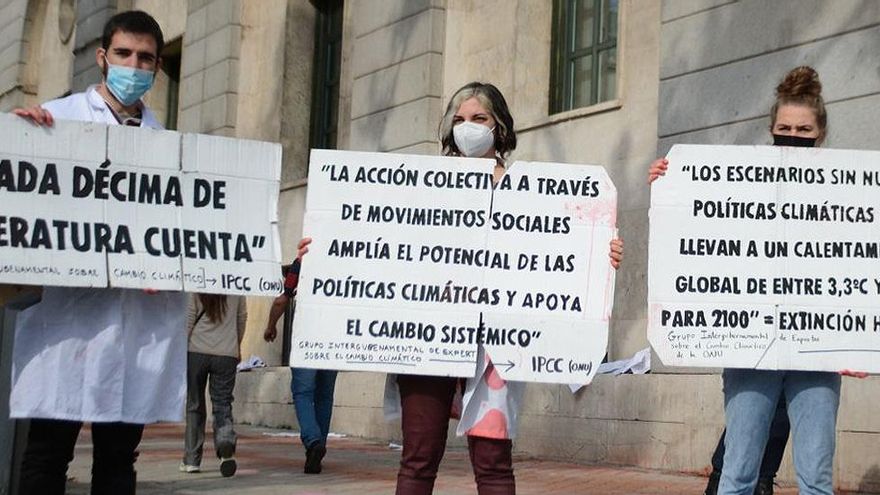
(133, 21)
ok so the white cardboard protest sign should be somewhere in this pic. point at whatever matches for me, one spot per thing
(766, 257)
(89, 205)
(416, 261)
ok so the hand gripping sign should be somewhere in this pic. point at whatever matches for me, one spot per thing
(417, 261)
(766, 257)
(89, 205)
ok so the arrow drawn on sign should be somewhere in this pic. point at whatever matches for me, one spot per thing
(509, 365)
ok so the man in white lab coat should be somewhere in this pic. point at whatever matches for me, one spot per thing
(112, 357)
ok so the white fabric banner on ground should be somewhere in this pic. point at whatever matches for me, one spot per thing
(766, 257)
(89, 205)
(416, 260)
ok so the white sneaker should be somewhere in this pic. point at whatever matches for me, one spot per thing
(187, 468)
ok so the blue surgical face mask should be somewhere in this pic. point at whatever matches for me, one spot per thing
(128, 84)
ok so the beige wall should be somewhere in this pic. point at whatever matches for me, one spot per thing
(297, 92)
(36, 41)
(392, 74)
(49, 62)
(171, 16)
(261, 62)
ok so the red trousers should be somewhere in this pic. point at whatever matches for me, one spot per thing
(426, 402)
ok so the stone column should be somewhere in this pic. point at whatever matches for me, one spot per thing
(12, 46)
(209, 68)
(396, 75)
(91, 16)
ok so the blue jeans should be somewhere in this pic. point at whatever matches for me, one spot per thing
(312, 392)
(772, 452)
(750, 398)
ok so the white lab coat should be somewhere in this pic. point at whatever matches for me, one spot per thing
(100, 355)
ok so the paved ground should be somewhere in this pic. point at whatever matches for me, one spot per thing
(270, 462)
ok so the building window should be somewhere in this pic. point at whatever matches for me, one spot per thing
(584, 60)
(325, 83)
(171, 66)
(163, 97)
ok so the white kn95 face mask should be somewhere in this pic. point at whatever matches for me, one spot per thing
(472, 139)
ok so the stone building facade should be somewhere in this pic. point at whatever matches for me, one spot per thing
(375, 75)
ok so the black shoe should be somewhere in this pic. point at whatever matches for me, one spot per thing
(314, 455)
(712, 485)
(228, 466)
(764, 486)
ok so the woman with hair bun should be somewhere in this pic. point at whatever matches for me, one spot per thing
(797, 118)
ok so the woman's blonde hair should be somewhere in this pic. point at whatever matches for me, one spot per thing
(801, 86)
(493, 101)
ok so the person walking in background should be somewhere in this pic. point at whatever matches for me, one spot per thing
(311, 389)
(113, 357)
(215, 324)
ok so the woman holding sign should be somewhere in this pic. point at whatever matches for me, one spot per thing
(798, 118)
(477, 124)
